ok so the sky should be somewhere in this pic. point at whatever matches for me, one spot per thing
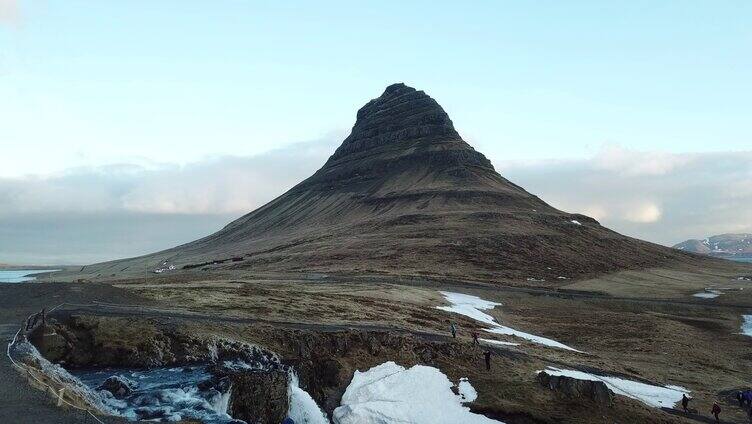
(127, 127)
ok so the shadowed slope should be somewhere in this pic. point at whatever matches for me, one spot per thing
(404, 194)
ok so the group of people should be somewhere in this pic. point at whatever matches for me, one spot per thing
(476, 342)
(744, 397)
(715, 410)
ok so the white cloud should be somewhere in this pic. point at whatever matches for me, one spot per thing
(223, 185)
(690, 196)
(644, 213)
(657, 196)
(634, 163)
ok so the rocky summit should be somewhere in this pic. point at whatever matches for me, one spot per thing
(405, 195)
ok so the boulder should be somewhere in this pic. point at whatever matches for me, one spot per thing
(50, 341)
(574, 388)
(120, 387)
(259, 396)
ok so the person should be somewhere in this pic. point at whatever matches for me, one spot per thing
(685, 402)
(453, 329)
(715, 411)
(475, 338)
(487, 357)
(740, 398)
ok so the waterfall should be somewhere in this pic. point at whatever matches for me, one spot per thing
(303, 409)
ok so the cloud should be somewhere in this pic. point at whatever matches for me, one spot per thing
(657, 196)
(91, 214)
(634, 163)
(221, 185)
(87, 215)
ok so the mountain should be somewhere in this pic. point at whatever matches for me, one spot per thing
(405, 195)
(724, 245)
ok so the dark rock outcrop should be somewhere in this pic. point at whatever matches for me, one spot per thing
(259, 396)
(119, 386)
(573, 388)
(89, 341)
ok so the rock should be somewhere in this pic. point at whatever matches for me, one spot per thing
(146, 413)
(120, 387)
(259, 396)
(596, 391)
(51, 342)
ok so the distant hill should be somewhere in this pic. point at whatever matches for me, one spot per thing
(730, 246)
(405, 194)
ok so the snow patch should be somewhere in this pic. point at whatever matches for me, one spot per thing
(498, 342)
(472, 307)
(389, 393)
(747, 325)
(469, 306)
(575, 222)
(708, 294)
(466, 390)
(655, 396)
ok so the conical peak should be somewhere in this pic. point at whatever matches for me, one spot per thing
(396, 87)
(399, 115)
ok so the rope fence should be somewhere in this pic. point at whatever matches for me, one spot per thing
(58, 395)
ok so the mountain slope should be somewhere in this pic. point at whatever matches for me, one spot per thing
(404, 194)
(724, 245)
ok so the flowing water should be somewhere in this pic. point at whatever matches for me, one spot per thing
(163, 394)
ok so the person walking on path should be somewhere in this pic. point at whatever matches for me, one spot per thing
(685, 402)
(453, 329)
(475, 338)
(715, 411)
(487, 357)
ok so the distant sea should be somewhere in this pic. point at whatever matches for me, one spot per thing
(21, 275)
(747, 259)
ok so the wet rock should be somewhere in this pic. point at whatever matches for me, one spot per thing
(50, 341)
(596, 391)
(221, 383)
(120, 387)
(259, 396)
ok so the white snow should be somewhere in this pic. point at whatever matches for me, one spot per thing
(472, 307)
(576, 222)
(507, 331)
(389, 393)
(466, 390)
(469, 306)
(498, 342)
(303, 409)
(708, 294)
(747, 325)
(655, 396)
